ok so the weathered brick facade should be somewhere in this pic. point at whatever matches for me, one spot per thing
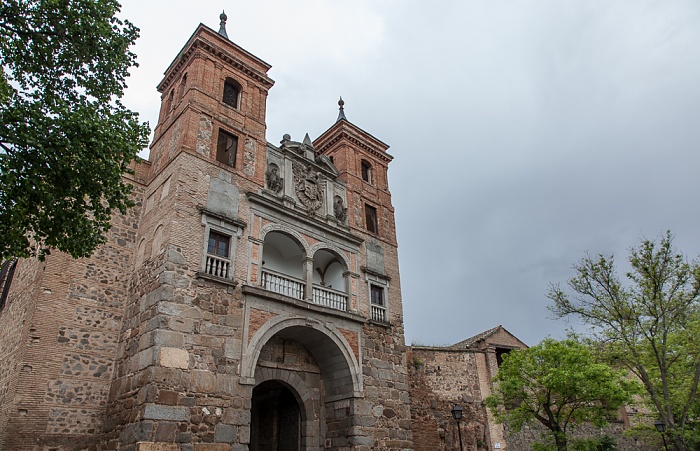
(250, 300)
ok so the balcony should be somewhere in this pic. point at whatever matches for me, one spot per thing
(286, 270)
(283, 284)
(330, 298)
(217, 266)
(378, 313)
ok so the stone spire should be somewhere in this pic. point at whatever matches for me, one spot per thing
(222, 27)
(341, 113)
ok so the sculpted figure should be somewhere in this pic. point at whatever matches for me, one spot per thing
(274, 181)
(339, 210)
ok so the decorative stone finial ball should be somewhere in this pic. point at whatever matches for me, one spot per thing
(223, 16)
(341, 102)
(286, 137)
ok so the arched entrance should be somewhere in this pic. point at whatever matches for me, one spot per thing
(275, 418)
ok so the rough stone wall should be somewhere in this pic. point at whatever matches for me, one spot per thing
(439, 379)
(525, 438)
(73, 313)
(176, 378)
(385, 413)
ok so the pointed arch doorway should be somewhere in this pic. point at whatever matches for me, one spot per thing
(275, 418)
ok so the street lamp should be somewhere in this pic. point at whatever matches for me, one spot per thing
(457, 415)
(661, 427)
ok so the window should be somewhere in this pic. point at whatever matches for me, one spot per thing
(169, 103)
(377, 295)
(366, 171)
(232, 91)
(7, 272)
(218, 263)
(500, 352)
(218, 244)
(371, 219)
(219, 247)
(183, 85)
(377, 304)
(226, 148)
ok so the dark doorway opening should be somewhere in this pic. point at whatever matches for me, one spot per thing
(275, 419)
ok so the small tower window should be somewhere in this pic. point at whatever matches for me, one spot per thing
(226, 148)
(169, 104)
(232, 91)
(371, 219)
(183, 85)
(366, 171)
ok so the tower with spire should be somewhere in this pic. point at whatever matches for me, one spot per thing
(250, 300)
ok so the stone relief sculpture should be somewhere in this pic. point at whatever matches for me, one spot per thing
(340, 210)
(308, 187)
(274, 181)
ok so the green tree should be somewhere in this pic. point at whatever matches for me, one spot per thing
(650, 325)
(557, 383)
(65, 138)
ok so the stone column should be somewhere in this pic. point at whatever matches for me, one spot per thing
(309, 277)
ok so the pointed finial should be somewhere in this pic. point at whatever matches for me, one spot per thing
(341, 113)
(222, 27)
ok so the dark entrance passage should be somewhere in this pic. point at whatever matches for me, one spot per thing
(275, 419)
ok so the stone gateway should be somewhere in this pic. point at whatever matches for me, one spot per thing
(234, 308)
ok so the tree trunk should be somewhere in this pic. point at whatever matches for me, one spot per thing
(560, 440)
(677, 443)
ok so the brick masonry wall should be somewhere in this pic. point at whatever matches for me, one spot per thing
(15, 315)
(70, 343)
(438, 380)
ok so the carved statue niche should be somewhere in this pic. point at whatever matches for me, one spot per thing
(274, 181)
(340, 210)
(308, 187)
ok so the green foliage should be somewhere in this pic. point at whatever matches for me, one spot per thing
(557, 383)
(65, 138)
(650, 325)
(418, 363)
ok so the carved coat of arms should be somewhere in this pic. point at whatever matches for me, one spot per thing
(308, 187)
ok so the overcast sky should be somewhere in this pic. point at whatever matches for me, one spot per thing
(525, 133)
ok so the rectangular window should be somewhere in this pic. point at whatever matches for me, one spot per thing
(366, 171)
(371, 219)
(218, 244)
(226, 148)
(377, 294)
(377, 305)
(218, 263)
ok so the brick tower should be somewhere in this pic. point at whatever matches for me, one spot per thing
(251, 300)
